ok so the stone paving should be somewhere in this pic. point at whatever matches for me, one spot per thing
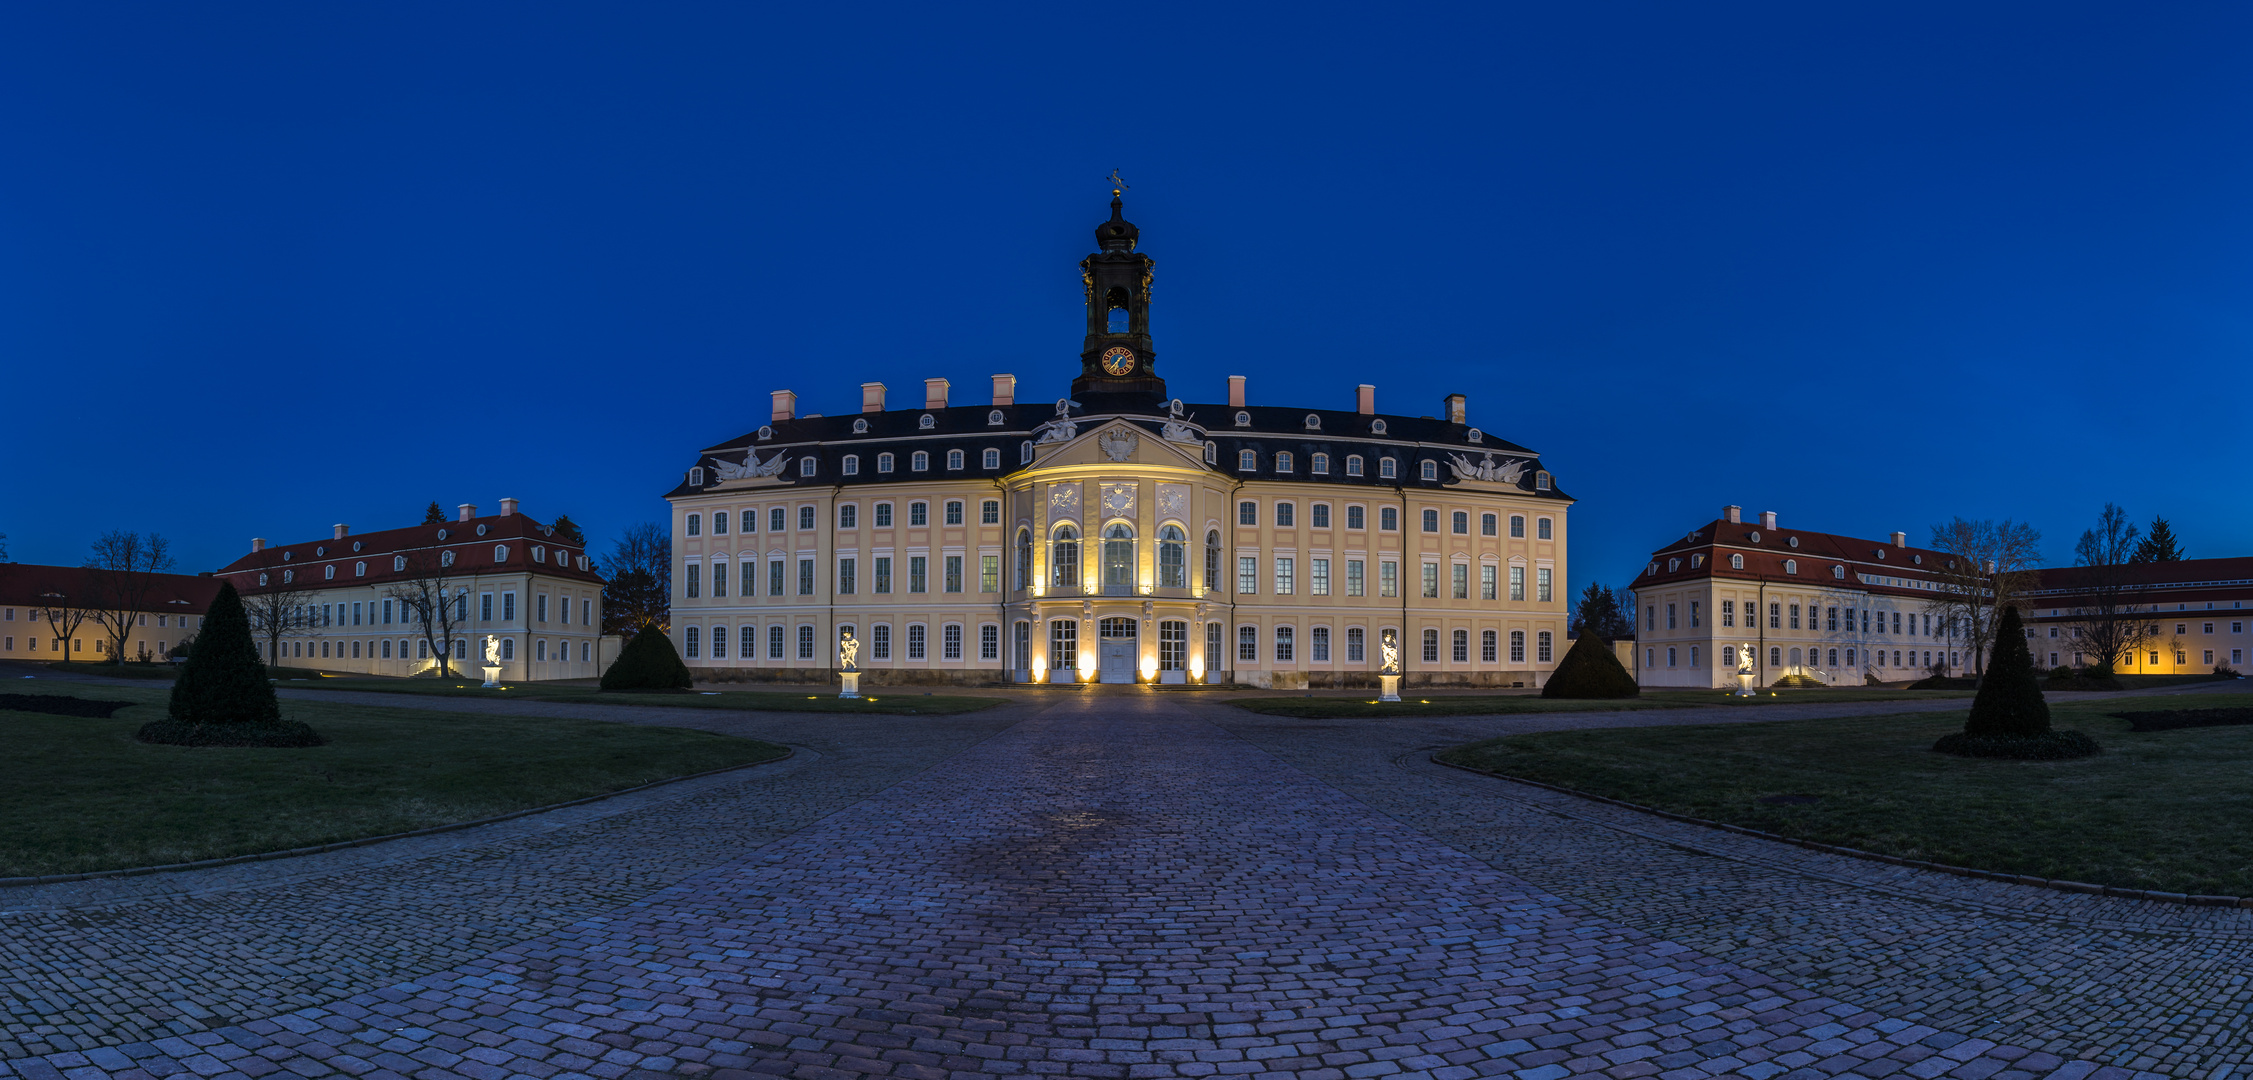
(1114, 886)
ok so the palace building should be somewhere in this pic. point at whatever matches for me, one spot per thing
(1119, 534)
(383, 603)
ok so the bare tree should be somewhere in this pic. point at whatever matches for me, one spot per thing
(276, 613)
(422, 590)
(639, 591)
(1989, 564)
(64, 614)
(127, 569)
(2105, 622)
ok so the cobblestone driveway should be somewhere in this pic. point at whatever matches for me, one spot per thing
(1115, 886)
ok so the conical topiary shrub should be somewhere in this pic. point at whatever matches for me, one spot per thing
(223, 696)
(1590, 670)
(648, 663)
(2009, 718)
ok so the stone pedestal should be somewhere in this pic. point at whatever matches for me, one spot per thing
(1744, 685)
(852, 687)
(1388, 688)
(492, 677)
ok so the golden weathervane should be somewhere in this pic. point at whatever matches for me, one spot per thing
(1118, 183)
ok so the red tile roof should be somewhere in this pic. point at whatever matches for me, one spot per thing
(473, 554)
(1766, 550)
(28, 585)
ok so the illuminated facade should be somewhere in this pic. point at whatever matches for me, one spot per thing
(1836, 608)
(1119, 535)
(2195, 615)
(504, 575)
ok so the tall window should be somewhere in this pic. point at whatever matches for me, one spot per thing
(1024, 558)
(1286, 576)
(1173, 570)
(806, 642)
(1354, 583)
(1356, 646)
(1247, 574)
(1543, 645)
(1064, 558)
(883, 573)
(1318, 641)
(1388, 578)
(1541, 583)
(1486, 646)
(805, 577)
(1063, 644)
(1517, 583)
(1318, 577)
(847, 580)
(1355, 518)
(918, 573)
(691, 643)
(1517, 646)
(1247, 644)
(749, 644)
(1173, 646)
(950, 642)
(1460, 581)
(989, 641)
(953, 579)
(719, 585)
(916, 643)
(1486, 582)
(1212, 561)
(1286, 644)
(1543, 529)
(1460, 646)
(1431, 640)
(774, 640)
(1431, 581)
(989, 573)
(880, 641)
(1118, 558)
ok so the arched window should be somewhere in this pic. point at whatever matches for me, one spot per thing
(1736, 562)
(1025, 452)
(359, 569)
(1791, 566)
(1283, 461)
(1431, 469)
(328, 573)
(540, 552)
(1838, 572)
(993, 458)
(1387, 468)
(500, 553)
(851, 466)
(860, 426)
(1318, 464)
(1353, 464)
(1775, 656)
(445, 558)
(695, 524)
(1212, 560)
(1173, 569)
(920, 461)
(806, 465)
(1461, 646)
(1486, 646)
(1461, 523)
(954, 459)
(1064, 558)
(1024, 558)
(262, 579)
(1247, 460)
(1115, 318)
(883, 463)
(1118, 558)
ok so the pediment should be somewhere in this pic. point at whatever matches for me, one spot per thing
(1119, 442)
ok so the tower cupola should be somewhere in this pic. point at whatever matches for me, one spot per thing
(1117, 357)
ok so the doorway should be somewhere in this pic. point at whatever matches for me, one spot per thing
(1115, 638)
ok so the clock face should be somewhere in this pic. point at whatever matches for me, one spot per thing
(1118, 360)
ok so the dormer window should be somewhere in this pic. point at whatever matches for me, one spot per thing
(1791, 566)
(696, 476)
(994, 418)
(1792, 540)
(1243, 419)
(359, 569)
(1541, 480)
(766, 433)
(883, 463)
(1387, 468)
(992, 457)
(1476, 436)
(1917, 559)
(1318, 464)
(261, 579)
(320, 551)
(1283, 461)
(1313, 422)
(920, 461)
(1838, 572)
(926, 422)
(1212, 452)
(481, 530)
(1376, 427)
(1653, 570)
(1025, 453)
(328, 573)
(1696, 561)
(355, 545)
(1672, 565)
(398, 563)
(445, 558)
(1431, 469)
(806, 465)
(954, 459)
(540, 554)
(288, 576)
(1247, 460)
(851, 466)
(1736, 562)
(288, 555)
(500, 553)
(1353, 464)
(860, 426)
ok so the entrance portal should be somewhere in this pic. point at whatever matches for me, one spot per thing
(1116, 638)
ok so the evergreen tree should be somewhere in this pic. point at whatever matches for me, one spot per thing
(2009, 704)
(648, 663)
(223, 680)
(1590, 670)
(2158, 545)
(433, 514)
(568, 530)
(1599, 612)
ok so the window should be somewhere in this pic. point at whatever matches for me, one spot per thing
(1318, 515)
(883, 463)
(774, 578)
(950, 642)
(880, 641)
(1728, 614)
(920, 461)
(1024, 559)
(806, 642)
(1247, 643)
(1021, 647)
(1431, 641)
(1064, 558)
(1286, 576)
(846, 583)
(851, 466)
(690, 643)
(1247, 575)
(719, 641)
(806, 465)
(1212, 560)
(991, 460)
(1387, 468)
(989, 641)
(1388, 578)
(1063, 644)
(1486, 524)
(989, 512)
(1486, 646)
(953, 577)
(1517, 527)
(398, 563)
(1486, 582)
(1517, 583)
(1318, 641)
(1543, 529)
(1247, 461)
(1544, 645)
(1430, 469)
(360, 569)
(693, 586)
(1388, 519)
(748, 644)
(1356, 646)
(1285, 514)
(1353, 464)
(1775, 616)
(805, 577)
(1838, 572)
(777, 519)
(954, 461)
(1431, 580)
(1025, 452)
(1517, 646)
(1354, 580)
(1791, 566)
(1460, 581)
(918, 573)
(1694, 620)
(1247, 513)
(1319, 465)
(1286, 644)
(1318, 577)
(918, 514)
(989, 573)
(695, 524)
(1283, 461)
(1460, 647)
(1355, 518)
(774, 642)
(1431, 521)
(1173, 569)
(954, 512)
(1543, 591)
(1670, 616)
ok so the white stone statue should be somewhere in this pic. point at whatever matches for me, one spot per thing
(492, 650)
(752, 467)
(1388, 649)
(1744, 658)
(1508, 472)
(1063, 428)
(848, 649)
(1118, 445)
(1176, 427)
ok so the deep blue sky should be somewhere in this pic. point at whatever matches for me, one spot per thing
(265, 268)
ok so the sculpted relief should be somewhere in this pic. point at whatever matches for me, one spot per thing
(1063, 502)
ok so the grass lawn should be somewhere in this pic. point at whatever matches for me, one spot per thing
(81, 795)
(165, 672)
(2165, 810)
(878, 700)
(1494, 704)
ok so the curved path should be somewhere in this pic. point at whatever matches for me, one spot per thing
(1109, 886)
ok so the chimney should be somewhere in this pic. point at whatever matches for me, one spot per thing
(872, 397)
(257, 544)
(1005, 389)
(1734, 515)
(466, 511)
(1235, 391)
(1767, 519)
(785, 405)
(1365, 399)
(1900, 539)
(1455, 408)
(934, 393)
(508, 507)
(340, 532)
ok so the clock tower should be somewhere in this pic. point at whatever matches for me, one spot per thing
(1117, 358)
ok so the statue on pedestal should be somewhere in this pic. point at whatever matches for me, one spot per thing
(848, 648)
